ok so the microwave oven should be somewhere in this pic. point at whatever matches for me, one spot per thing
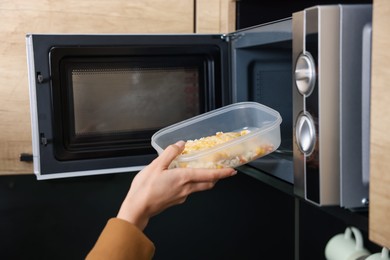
(96, 100)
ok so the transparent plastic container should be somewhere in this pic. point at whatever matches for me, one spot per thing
(263, 138)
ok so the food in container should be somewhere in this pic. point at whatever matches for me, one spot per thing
(226, 137)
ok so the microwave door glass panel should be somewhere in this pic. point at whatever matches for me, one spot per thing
(145, 98)
(112, 106)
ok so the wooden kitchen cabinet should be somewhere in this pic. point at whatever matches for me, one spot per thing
(19, 17)
(215, 16)
(379, 209)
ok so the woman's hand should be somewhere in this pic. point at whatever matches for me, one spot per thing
(156, 187)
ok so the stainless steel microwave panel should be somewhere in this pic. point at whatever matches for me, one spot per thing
(327, 51)
(316, 104)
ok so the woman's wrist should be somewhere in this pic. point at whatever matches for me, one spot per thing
(131, 213)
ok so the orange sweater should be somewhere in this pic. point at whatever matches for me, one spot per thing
(121, 240)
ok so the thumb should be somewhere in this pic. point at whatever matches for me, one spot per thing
(170, 153)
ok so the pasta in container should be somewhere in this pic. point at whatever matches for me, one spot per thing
(226, 137)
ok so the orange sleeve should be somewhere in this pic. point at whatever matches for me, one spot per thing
(121, 240)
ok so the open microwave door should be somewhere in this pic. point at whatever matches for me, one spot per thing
(96, 100)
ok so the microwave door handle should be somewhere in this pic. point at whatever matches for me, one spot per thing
(366, 97)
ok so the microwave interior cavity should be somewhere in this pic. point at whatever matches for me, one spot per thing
(262, 61)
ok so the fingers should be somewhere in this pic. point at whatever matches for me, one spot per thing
(207, 175)
(170, 153)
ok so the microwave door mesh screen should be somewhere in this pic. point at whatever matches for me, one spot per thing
(130, 100)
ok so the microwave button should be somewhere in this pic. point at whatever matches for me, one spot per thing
(305, 74)
(306, 134)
